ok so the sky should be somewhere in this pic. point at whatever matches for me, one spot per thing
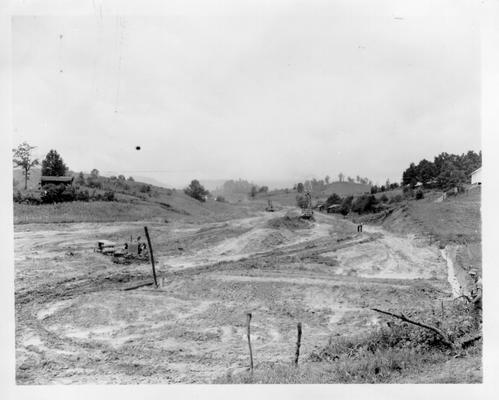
(275, 92)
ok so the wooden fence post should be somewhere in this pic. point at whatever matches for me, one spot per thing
(298, 344)
(152, 257)
(248, 321)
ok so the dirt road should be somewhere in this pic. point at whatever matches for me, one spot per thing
(75, 324)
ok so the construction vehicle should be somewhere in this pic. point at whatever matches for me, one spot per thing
(126, 253)
(307, 212)
(270, 207)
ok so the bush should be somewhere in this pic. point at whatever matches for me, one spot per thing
(18, 197)
(364, 204)
(82, 195)
(27, 198)
(145, 188)
(346, 205)
(57, 194)
(108, 196)
(396, 199)
(221, 199)
(384, 198)
(94, 182)
(333, 199)
(419, 194)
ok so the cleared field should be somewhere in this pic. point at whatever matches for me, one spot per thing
(75, 324)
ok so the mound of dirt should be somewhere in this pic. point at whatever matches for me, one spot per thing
(289, 221)
(264, 241)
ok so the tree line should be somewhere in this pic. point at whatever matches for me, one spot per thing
(445, 172)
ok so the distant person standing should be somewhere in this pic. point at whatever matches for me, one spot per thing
(359, 227)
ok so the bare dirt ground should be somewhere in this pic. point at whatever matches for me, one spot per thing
(75, 324)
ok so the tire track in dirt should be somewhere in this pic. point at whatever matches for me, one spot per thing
(78, 326)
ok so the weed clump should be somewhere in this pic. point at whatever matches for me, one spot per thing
(289, 221)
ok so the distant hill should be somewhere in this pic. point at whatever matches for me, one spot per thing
(287, 197)
(134, 201)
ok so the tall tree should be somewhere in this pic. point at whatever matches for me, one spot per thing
(410, 175)
(81, 178)
(196, 190)
(341, 176)
(23, 158)
(253, 191)
(53, 165)
(327, 178)
(426, 171)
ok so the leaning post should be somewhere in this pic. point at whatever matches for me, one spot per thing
(248, 321)
(152, 256)
(298, 344)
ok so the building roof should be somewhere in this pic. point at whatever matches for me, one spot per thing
(57, 178)
(476, 170)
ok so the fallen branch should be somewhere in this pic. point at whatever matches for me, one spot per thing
(445, 338)
(464, 297)
(467, 342)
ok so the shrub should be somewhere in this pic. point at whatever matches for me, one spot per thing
(145, 188)
(364, 204)
(28, 198)
(384, 198)
(396, 199)
(346, 205)
(221, 199)
(419, 194)
(333, 199)
(18, 197)
(94, 182)
(82, 195)
(58, 194)
(108, 196)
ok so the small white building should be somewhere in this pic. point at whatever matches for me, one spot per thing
(476, 177)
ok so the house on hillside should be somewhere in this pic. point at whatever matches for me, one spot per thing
(320, 206)
(476, 177)
(56, 180)
(335, 208)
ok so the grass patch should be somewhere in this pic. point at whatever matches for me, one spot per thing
(78, 211)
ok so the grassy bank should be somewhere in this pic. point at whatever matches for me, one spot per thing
(393, 353)
(178, 207)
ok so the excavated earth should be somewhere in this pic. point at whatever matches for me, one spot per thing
(76, 324)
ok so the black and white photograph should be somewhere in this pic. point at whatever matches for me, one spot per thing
(247, 193)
